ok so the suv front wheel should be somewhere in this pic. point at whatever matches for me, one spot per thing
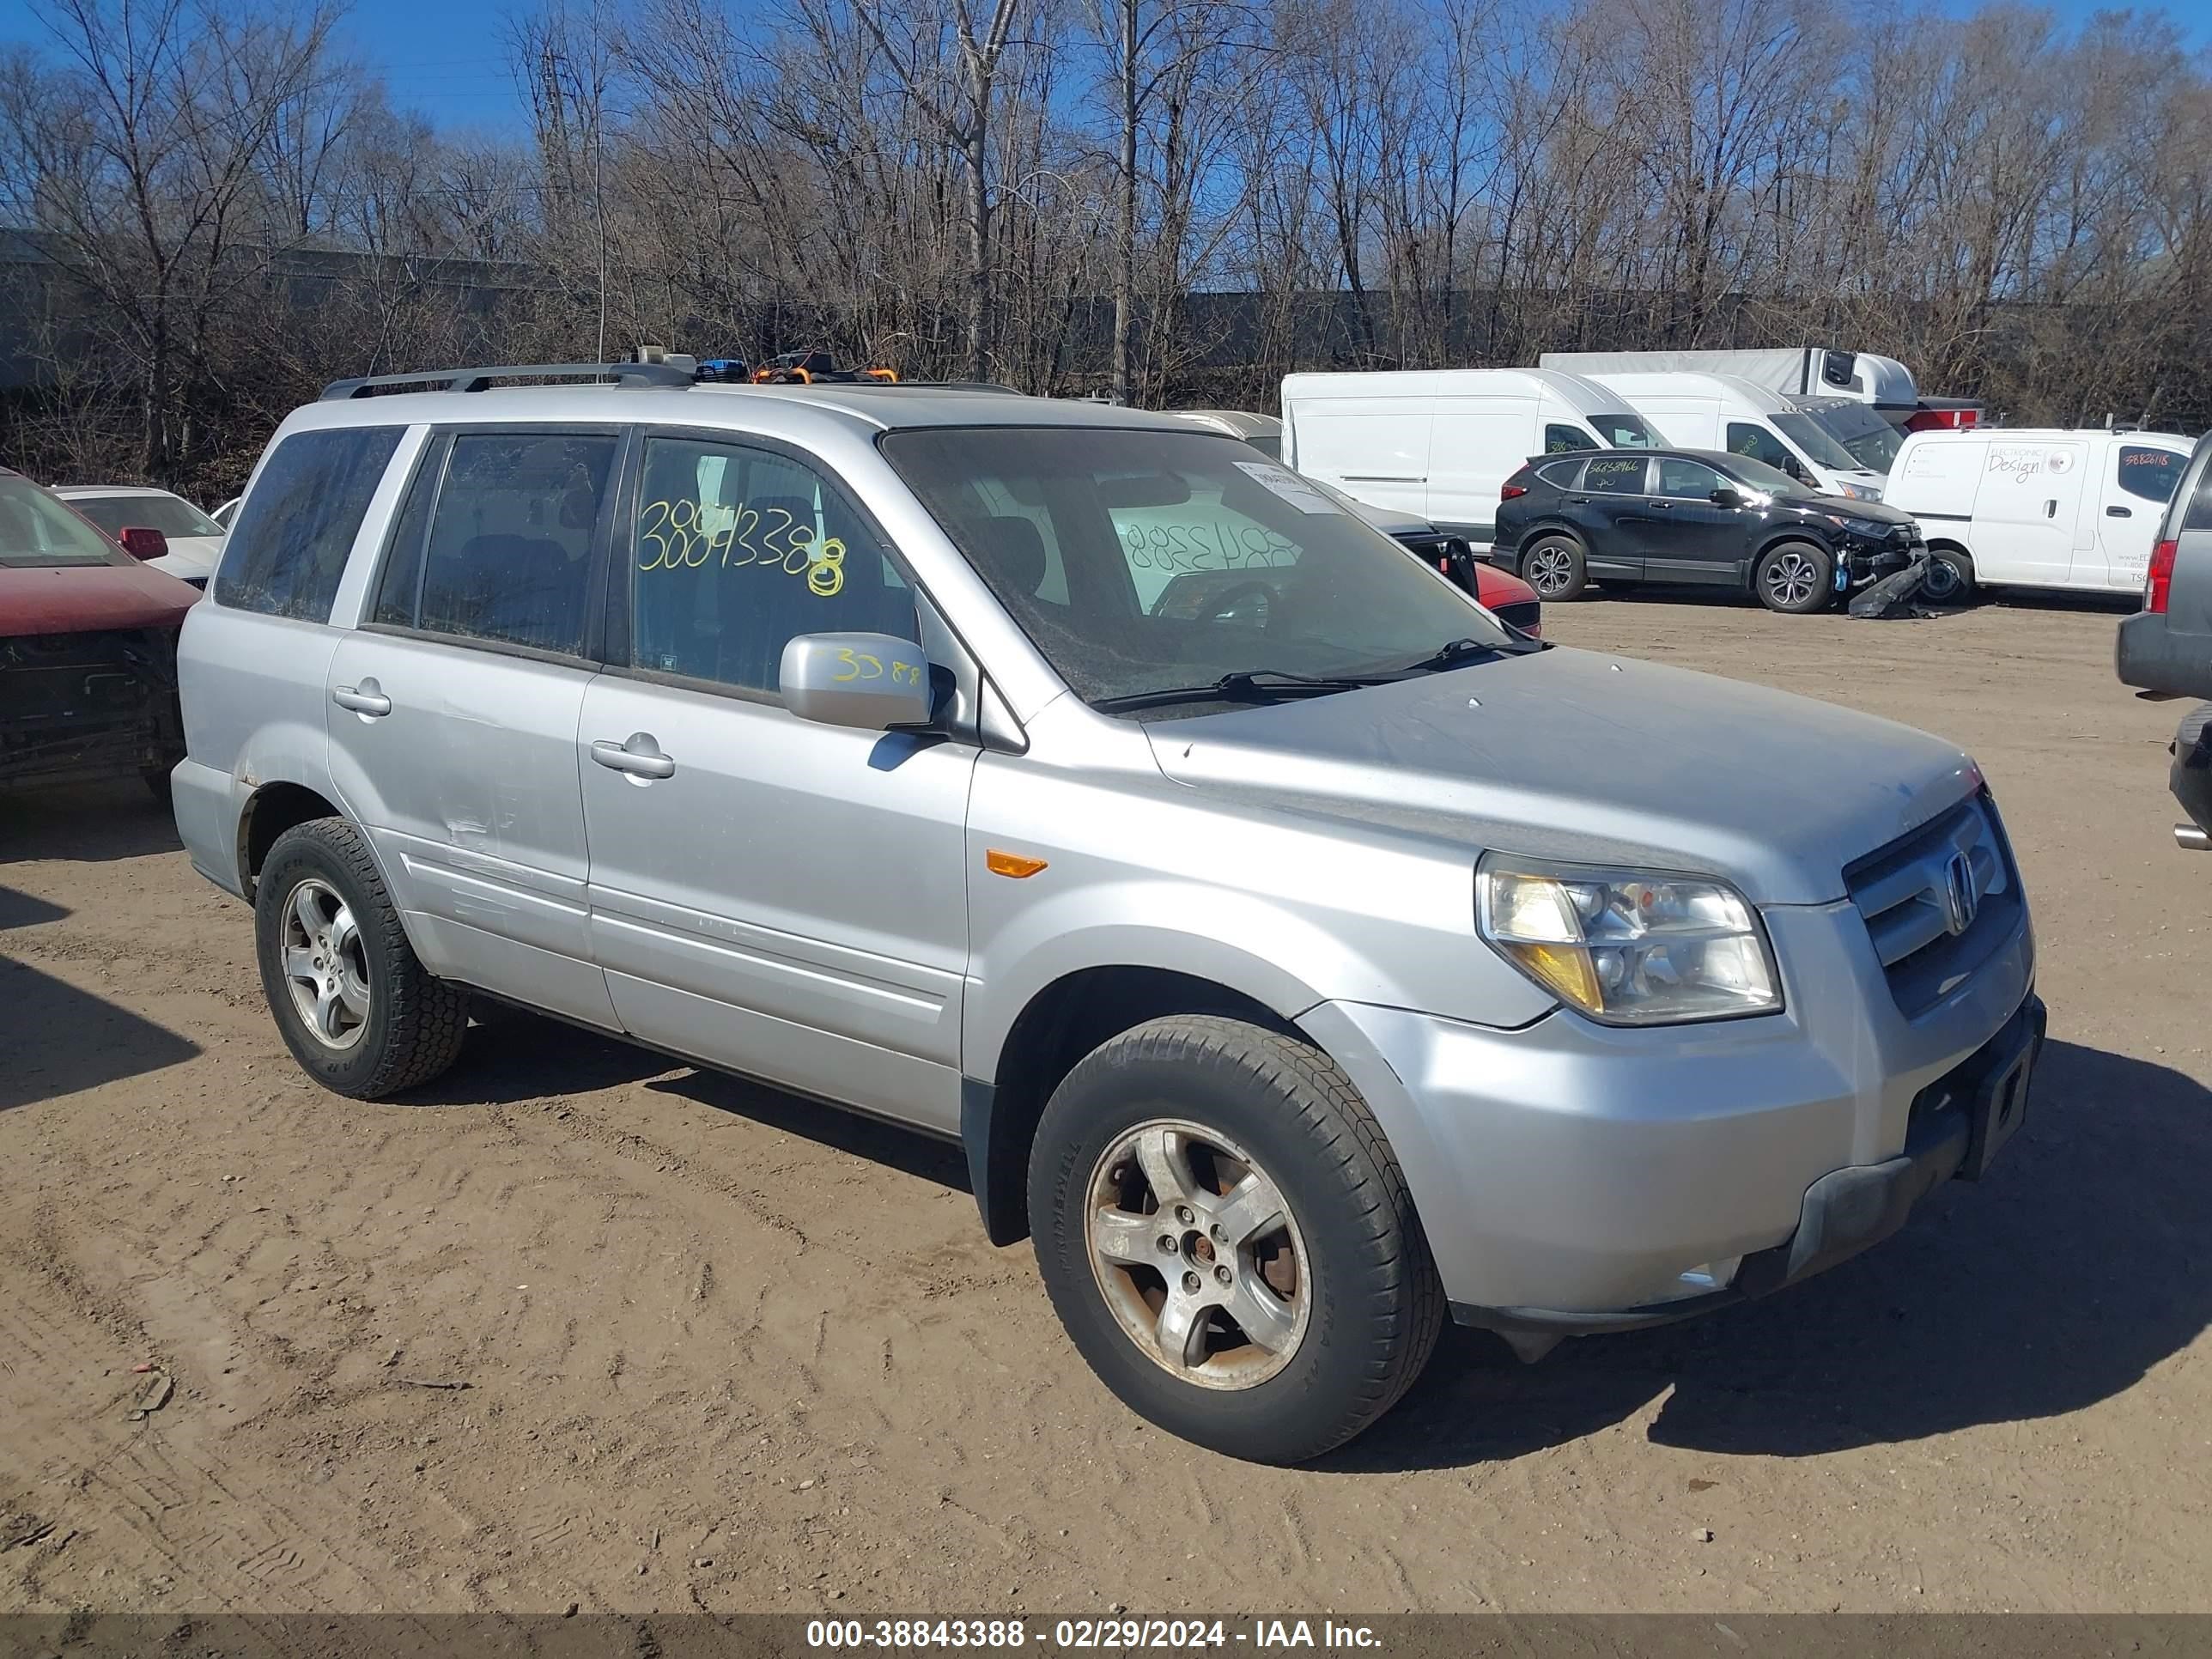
(357, 1009)
(1228, 1238)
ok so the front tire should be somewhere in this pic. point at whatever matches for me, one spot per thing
(358, 1010)
(1554, 567)
(1796, 578)
(1950, 577)
(1228, 1239)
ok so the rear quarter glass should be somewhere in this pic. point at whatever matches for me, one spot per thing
(288, 545)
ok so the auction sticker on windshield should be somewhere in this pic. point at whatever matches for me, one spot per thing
(1287, 484)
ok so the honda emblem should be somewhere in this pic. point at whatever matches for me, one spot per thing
(1961, 897)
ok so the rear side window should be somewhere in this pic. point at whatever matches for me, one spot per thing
(1561, 440)
(2150, 473)
(288, 545)
(508, 560)
(2198, 515)
(1561, 475)
(1614, 475)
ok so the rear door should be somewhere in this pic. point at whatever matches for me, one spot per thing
(784, 898)
(454, 708)
(2027, 512)
(2134, 485)
(1612, 505)
(1686, 537)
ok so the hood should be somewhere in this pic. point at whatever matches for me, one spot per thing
(76, 598)
(1874, 512)
(1577, 756)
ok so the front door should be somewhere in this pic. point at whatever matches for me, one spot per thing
(1686, 536)
(452, 710)
(780, 897)
(2137, 481)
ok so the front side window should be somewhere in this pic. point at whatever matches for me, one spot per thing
(1614, 475)
(1755, 442)
(1766, 480)
(1560, 438)
(2150, 473)
(288, 545)
(1689, 481)
(173, 516)
(736, 551)
(36, 529)
(508, 560)
(1625, 432)
(1143, 561)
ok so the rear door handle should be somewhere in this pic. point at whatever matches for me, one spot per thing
(367, 698)
(2118, 513)
(1661, 506)
(1580, 500)
(638, 757)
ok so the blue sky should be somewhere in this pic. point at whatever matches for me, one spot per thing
(447, 58)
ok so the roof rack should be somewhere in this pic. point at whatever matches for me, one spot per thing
(480, 379)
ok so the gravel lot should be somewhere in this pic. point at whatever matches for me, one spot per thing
(726, 1349)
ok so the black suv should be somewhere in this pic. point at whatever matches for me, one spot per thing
(1692, 515)
(2168, 646)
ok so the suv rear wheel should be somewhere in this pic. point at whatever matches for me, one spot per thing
(1228, 1238)
(1554, 567)
(357, 1009)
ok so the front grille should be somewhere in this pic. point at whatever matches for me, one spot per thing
(1528, 615)
(1909, 897)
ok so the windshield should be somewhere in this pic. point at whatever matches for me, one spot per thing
(36, 529)
(1143, 562)
(1625, 432)
(1869, 439)
(172, 515)
(1818, 444)
(1767, 480)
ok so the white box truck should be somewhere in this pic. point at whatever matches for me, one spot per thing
(1800, 371)
(2037, 507)
(1439, 443)
(1727, 412)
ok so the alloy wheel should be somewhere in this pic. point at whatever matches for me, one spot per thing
(1792, 580)
(1195, 1249)
(325, 964)
(1551, 568)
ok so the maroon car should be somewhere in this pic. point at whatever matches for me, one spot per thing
(88, 648)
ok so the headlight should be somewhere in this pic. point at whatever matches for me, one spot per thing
(1628, 947)
(1866, 527)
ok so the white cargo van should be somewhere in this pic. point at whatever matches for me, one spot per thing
(1438, 443)
(2037, 507)
(1726, 411)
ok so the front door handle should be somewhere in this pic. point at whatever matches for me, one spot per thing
(1661, 506)
(2118, 513)
(640, 757)
(367, 698)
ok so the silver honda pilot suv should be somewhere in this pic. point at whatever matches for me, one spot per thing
(1298, 953)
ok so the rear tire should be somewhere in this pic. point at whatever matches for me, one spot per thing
(1295, 1299)
(358, 1010)
(1950, 578)
(1795, 578)
(1554, 565)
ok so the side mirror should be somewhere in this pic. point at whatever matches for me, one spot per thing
(873, 682)
(142, 541)
(1726, 496)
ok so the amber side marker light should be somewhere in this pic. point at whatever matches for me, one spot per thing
(1012, 864)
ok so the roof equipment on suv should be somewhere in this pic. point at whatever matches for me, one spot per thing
(481, 379)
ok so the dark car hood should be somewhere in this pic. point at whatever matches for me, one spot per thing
(79, 599)
(1872, 512)
(1578, 755)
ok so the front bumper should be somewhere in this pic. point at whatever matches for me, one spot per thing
(1580, 1170)
(1957, 1125)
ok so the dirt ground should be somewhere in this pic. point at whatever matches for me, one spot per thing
(728, 1350)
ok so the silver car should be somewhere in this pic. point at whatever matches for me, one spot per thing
(1299, 956)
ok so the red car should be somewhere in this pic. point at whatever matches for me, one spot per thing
(88, 649)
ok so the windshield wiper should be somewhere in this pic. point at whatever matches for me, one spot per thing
(1453, 652)
(1250, 685)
